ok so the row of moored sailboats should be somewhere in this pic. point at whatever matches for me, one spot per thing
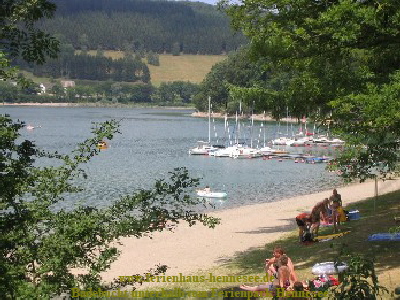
(241, 150)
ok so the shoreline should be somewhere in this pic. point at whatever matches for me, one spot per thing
(195, 114)
(256, 117)
(100, 105)
(189, 250)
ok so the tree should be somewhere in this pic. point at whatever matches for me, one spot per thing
(40, 243)
(100, 51)
(371, 120)
(177, 91)
(153, 59)
(176, 49)
(359, 280)
(84, 42)
(326, 52)
(236, 70)
(20, 37)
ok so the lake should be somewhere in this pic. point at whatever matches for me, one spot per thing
(154, 142)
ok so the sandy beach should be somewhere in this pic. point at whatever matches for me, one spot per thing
(189, 250)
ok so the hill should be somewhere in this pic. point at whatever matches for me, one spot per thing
(192, 68)
(158, 26)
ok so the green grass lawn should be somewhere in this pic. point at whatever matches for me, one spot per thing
(386, 254)
(191, 68)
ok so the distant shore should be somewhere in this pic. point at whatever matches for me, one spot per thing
(111, 105)
(258, 117)
(196, 114)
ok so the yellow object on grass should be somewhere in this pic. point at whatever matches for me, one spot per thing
(330, 236)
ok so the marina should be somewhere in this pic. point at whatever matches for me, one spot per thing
(238, 139)
(155, 141)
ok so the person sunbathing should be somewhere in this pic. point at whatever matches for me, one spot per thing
(272, 268)
(284, 273)
(272, 265)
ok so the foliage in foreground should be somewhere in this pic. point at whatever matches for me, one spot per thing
(20, 38)
(370, 123)
(335, 60)
(359, 281)
(41, 243)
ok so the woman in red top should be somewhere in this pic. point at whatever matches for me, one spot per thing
(301, 220)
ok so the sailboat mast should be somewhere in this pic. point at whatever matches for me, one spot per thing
(236, 130)
(287, 121)
(251, 128)
(264, 126)
(209, 119)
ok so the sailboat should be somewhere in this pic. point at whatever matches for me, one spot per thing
(228, 151)
(242, 151)
(284, 140)
(205, 148)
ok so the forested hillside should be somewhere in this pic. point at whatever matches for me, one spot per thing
(158, 26)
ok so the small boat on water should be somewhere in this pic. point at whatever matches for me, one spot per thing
(267, 151)
(30, 127)
(228, 152)
(282, 141)
(279, 151)
(203, 148)
(102, 145)
(211, 194)
(207, 193)
(245, 152)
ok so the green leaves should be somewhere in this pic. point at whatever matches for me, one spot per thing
(371, 119)
(331, 60)
(359, 281)
(41, 244)
(19, 35)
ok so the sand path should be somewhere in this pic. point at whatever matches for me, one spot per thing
(188, 250)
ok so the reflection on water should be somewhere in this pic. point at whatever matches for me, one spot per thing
(154, 142)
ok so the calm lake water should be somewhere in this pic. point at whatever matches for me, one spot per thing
(153, 142)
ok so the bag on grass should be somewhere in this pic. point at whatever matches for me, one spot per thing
(307, 235)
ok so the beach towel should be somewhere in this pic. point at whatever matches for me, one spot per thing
(326, 223)
(384, 237)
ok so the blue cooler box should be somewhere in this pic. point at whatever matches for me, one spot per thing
(354, 215)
